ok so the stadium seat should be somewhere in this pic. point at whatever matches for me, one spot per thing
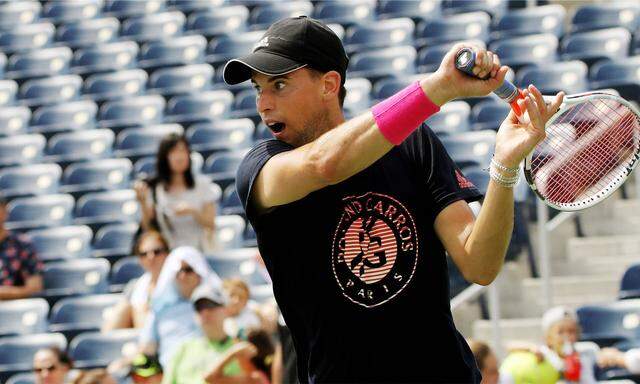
(146, 167)
(387, 87)
(262, 132)
(630, 283)
(3, 65)
(98, 175)
(39, 63)
(39, 212)
(22, 378)
(100, 208)
(517, 52)
(8, 88)
(418, 10)
(189, 6)
(132, 112)
(105, 57)
(15, 13)
(249, 236)
(95, 349)
(592, 46)
(183, 50)
(24, 316)
(262, 293)
(382, 34)
(179, 80)
(606, 324)
(395, 61)
(197, 107)
(70, 242)
(568, 76)
(63, 12)
(50, 90)
(264, 15)
(244, 105)
(358, 95)
(127, 8)
(227, 47)
(222, 135)
(453, 118)
(123, 271)
(115, 85)
(622, 75)
(74, 315)
(530, 21)
(65, 148)
(90, 32)
(607, 15)
(26, 37)
(229, 230)
(230, 203)
(223, 166)
(114, 241)
(75, 277)
(463, 26)
(70, 116)
(21, 149)
(345, 13)
(242, 263)
(492, 7)
(489, 114)
(16, 352)
(32, 179)
(152, 27)
(220, 21)
(471, 148)
(14, 120)
(134, 143)
(430, 57)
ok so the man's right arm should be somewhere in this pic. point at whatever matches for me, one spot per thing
(32, 285)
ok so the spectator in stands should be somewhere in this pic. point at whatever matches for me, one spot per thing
(95, 376)
(242, 316)
(152, 250)
(177, 202)
(487, 363)
(20, 269)
(171, 321)
(51, 366)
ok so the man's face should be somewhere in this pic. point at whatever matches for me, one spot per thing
(210, 315)
(47, 368)
(292, 105)
(565, 329)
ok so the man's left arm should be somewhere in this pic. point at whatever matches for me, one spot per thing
(32, 285)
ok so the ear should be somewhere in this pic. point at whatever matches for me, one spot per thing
(331, 85)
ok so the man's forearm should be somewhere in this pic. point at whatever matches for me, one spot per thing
(12, 293)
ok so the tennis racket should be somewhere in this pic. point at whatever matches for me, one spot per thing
(591, 148)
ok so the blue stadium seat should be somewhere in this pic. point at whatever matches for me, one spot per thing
(63, 12)
(345, 12)
(463, 26)
(75, 277)
(592, 46)
(416, 9)
(14, 120)
(105, 57)
(222, 167)
(381, 34)
(266, 14)
(39, 63)
(22, 378)
(21, 149)
(134, 111)
(188, 6)
(16, 352)
(95, 349)
(249, 236)
(115, 85)
(181, 50)
(230, 203)
(244, 105)
(471, 148)
(229, 230)
(489, 114)
(529, 21)
(250, 3)
(40, 212)
(178, 80)
(15, 13)
(3, 64)
(100, 208)
(123, 271)
(517, 52)
(146, 166)
(33, 179)
(220, 21)
(221, 135)
(453, 118)
(114, 241)
(71, 116)
(89, 32)
(568, 76)
(492, 7)
(630, 283)
(25, 316)
(430, 57)
(74, 315)
(227, 47)
(242, 263)
(201, 106)
(95, 176)
(607, 15)
(8, 89)
(621, 75)
(396, 61)
(606, 324)
(68, 147)
(153, 26)
(262, 132)
(135, 143)
(26, 37)
(127, 8)
(50, 90)
(70, 242)
(358, 95)
(390, 86)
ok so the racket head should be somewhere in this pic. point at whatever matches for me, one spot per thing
(591, 147)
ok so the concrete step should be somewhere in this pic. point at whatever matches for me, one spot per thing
(523, 329)
(624, 225)
(573, 286)
(605, 246)
(594, 265)
(626, 208)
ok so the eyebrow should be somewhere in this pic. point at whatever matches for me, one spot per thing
(272, 79)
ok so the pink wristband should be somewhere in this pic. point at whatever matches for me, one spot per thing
(399, 115)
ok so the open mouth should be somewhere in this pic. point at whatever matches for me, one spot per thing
(276, 127)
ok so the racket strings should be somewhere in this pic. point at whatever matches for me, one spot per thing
(587, 149)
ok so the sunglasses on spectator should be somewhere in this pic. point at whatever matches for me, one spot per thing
(48, 369)
(155, 252)
(186, 270)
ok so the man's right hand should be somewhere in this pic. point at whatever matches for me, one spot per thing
(142, 190)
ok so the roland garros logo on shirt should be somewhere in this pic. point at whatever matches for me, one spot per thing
(375, 249)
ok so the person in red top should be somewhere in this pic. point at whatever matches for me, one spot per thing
(20, 269)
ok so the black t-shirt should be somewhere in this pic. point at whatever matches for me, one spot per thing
(359, 273)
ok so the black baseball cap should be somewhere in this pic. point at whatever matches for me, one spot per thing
(290, 44)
